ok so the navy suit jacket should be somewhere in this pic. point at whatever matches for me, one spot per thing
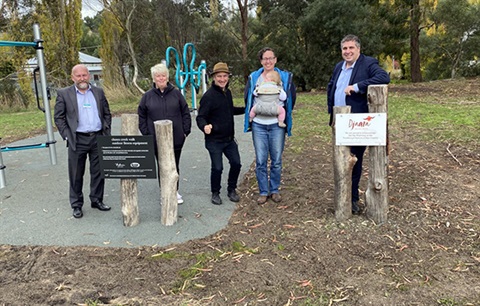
(66, 113)
(365, 72)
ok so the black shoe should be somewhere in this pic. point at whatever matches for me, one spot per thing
(216, 198)
(100, 206)
(233, 196)
(77, 212)
(355, 208)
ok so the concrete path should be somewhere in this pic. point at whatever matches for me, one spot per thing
(34, 207)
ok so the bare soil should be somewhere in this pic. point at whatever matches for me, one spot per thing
(294, 252)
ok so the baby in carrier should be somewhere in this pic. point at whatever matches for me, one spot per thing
(267, 98)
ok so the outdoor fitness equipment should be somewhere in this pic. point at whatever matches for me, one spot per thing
(182, 77)
(37, 44)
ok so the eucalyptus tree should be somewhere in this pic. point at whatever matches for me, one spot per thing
(16, 25)
(61, 25)
(279, 26)
(91, 40)
(454, 42)
(122, 14)
(323, 26)
(146, 32)
(112, 51)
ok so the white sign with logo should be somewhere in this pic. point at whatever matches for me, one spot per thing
(368, 129)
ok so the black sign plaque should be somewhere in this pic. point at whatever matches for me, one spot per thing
(127, 157)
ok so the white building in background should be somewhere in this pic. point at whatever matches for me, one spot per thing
(94, 65)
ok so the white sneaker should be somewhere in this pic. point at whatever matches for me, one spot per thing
(179, 199)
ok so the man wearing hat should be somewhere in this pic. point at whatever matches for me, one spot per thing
(215, 120)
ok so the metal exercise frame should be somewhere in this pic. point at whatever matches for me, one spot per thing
(38, 45)
(182, 77)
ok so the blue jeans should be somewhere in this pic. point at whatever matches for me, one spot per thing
(268, 140)
(216, 150)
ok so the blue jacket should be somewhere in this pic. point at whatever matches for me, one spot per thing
(289, 88)
(365, 72)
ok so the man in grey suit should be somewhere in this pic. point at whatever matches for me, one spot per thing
(81, 113)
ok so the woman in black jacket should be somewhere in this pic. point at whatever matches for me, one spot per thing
(165, 102)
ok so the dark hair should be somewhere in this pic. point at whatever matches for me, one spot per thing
(350, 37)
(263, 50)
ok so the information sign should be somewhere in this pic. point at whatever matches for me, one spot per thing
(131, 157)
(368, 129)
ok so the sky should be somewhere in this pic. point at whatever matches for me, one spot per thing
(90, 8)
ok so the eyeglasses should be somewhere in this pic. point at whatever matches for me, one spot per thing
(268, 59)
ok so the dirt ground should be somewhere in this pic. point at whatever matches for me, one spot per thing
(294, 253)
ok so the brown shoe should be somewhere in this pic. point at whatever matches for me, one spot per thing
(276, 197)
(262, 200)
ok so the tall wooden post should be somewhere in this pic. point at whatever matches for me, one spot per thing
(128, 187)
(167, 171)
(343, 162)
(376, 196)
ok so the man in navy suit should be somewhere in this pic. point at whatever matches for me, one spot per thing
(348, 86)
(81, 113)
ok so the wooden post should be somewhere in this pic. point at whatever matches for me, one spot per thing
(376, 196)
(167, 171)
(128, 187)
(343, 162)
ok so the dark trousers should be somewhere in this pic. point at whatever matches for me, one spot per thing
(358, 151)
(216, 151)
(86, 147)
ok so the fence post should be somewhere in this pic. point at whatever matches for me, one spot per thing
(128, 187)
(167, 171)
(376, 196)
(343, 162)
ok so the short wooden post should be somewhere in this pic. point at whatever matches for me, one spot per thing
(167, 171)
(128, 187)
(376, 196)
(343, 162)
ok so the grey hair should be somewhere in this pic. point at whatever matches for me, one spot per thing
(350, 37)
(159, 69)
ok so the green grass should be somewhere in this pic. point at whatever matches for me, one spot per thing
(30, 122)
(21, 125)
(436, 122)
(432, 122)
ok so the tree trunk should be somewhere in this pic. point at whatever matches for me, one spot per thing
(128, 187)
(167, 171)
(131, 50)
(243, 8)
(456, 59)
(376, 196)
(343, 162)
(415, 71)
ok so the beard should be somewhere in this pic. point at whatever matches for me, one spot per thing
(82, 85)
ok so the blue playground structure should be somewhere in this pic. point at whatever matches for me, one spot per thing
(182, 77)
(38, 45)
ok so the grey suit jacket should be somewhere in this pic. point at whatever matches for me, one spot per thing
(66, 113)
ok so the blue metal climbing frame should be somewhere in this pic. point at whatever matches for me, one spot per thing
(189, 74)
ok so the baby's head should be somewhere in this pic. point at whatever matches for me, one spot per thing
(273, 76)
